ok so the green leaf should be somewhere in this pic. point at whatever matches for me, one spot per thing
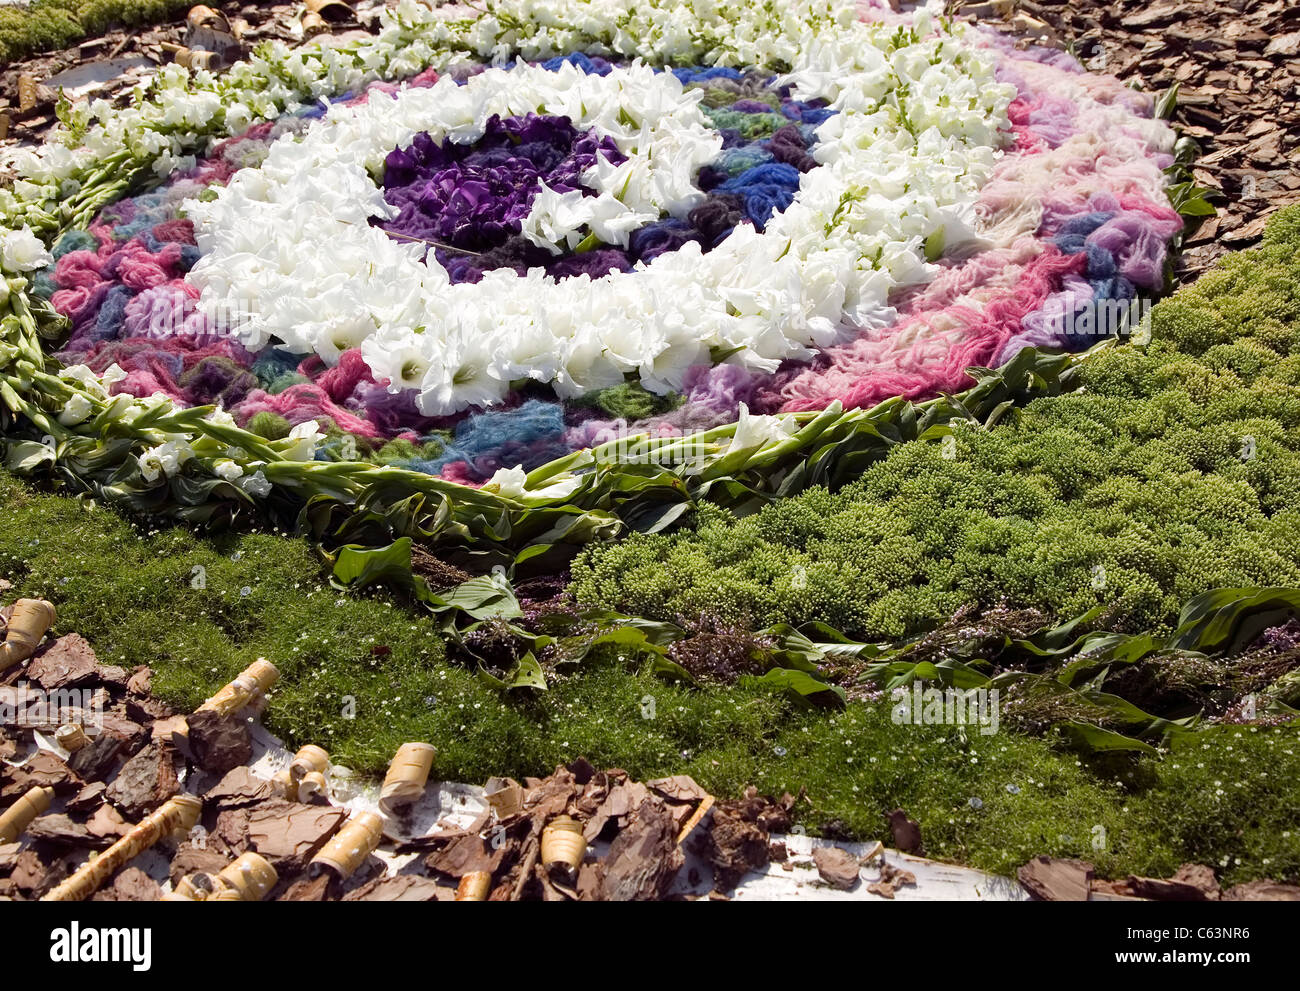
(1089, 737)
(1167, 103)
(1230, 618)
(479, 598)
(804, 687)
(934, 246)
(26, 456)
(355, 565)
(662, 666)
(949, 672)
(625, 636)
(527, 673)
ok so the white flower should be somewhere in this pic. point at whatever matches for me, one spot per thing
(167, 163)
(119, 405)
(510, 483)
(560, 489)
(758, 431)
(165, 460)
(302, 442)
(296, 235)
(85, 377)
(113, 374)
(77, 409)
(238, 118)
(255, 484)
(22, 251)
(227, 470)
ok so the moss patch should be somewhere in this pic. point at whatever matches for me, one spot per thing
(132, 593)
(47, 25)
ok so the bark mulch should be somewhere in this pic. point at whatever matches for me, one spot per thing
(1236, 64)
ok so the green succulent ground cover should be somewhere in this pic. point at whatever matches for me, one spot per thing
(48, 25)
(1173, 470)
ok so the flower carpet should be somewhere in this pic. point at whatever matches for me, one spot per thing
(717, 388)
(590, 250)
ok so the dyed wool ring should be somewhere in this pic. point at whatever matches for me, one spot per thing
(494, 266)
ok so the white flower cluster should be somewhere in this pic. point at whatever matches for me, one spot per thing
(22, 251)
(293, 239)
(291, 244)
(179, 113)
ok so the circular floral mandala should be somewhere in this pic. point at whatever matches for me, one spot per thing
(488, 266)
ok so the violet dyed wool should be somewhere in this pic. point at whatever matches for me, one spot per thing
(476, 196)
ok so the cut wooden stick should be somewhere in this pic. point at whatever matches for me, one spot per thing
(313, 24)
(350, 846)
(71, 737)
(474, 887)
(250, 877)
(255, 680)
(15, 819)
(177, 815)
(192, 888)
(313, 789)
(563, 842)
(407, 776)
(31, 620)
(331, 10)
(27, 95)
(505, 795)
(285, 786)
(206, 17)
(695, 818)
(310, 758)
(526, 871)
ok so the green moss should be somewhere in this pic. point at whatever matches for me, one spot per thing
(1175, 470)
(630, 401)
(402, 451)
(47, 25)
(198, 610)
(363, 675)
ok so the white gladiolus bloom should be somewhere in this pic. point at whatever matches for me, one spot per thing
(255, 484)
(296, 234)
(510, 482)
(76, 410)
(22, 251)
(227, 471)
(303, 440)
(756, 431)
(165, 460)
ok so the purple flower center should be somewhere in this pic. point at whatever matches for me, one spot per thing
(473, 197)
